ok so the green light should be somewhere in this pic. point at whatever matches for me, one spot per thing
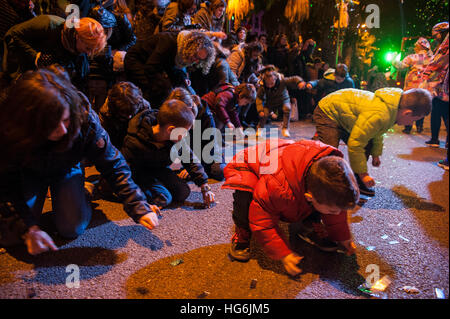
(390, 56)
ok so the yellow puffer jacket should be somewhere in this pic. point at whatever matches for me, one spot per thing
(365, 116)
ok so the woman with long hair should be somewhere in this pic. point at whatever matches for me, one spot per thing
(48, 128)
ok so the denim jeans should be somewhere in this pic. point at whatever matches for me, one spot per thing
(72, 209)
(162, 187)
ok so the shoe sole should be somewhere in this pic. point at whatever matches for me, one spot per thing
(443, 166)
(239, 258)
(309, 241)
(433, 145)
(367, 193)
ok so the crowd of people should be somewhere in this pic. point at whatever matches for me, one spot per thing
(122, 86)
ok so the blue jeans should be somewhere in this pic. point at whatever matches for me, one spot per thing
(72, 209)
(163, 187)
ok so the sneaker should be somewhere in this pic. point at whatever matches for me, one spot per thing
(240, 245)
(443, 164)
(285, 132)
(312, 234)
(433, 143)
(363, 189)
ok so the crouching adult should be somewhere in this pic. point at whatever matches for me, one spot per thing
(48, 131)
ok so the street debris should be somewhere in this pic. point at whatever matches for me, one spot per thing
(393, 242)
(31, 293)
(203, 295)
(142, 290)
(410, 289)
(168, 243)
(439, 293)
(370, 248)
(176, 262)
(384, 237)
(377, 290)
(405, 239)
(253, 283)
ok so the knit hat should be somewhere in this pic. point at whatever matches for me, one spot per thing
(440, 27)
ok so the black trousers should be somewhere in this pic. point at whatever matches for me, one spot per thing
(438, 111)
(241, 206)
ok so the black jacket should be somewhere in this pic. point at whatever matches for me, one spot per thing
(42, 34)
(122, 38)
(92, 143)
(328, 85)
(220, 73)
(143, 154)
(150, 64)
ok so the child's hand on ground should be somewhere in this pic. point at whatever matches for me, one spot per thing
(208, 195)
(261, 114)
(376, 162)
(38, 241)
(349, 246)
(367, 180)
(290, 263)
(150, 220)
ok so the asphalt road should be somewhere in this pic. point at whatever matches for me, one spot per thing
(403, 232)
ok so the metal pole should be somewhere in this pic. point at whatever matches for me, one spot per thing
(338, 46)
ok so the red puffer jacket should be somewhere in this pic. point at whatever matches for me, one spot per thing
(276, 179)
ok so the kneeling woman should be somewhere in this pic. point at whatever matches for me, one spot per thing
(47, 129)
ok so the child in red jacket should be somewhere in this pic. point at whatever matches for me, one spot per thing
(225, 102)
(304, 181)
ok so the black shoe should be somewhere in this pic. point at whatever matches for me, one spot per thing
(363, 189)
(407, 131)
(308, 233)
(240, 245)
(433, 143)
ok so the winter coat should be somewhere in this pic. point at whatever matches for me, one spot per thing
(279, 57)
(116, 128)
(328, 85)
(206, 19)
(173, 20)
(219, 74)
(279, 195)
(236, 60)
(92, 143)
(223, 103)
(144, 156)
(151, 65)
(9, 17)
(278, 95)
(416, 63)
(365, 116)
(434, 74)
(41, 34)
(122, 38)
